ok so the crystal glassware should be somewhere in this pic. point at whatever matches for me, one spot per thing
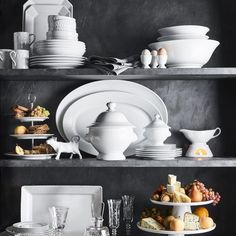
(128, 208)
(114, 215)
(58, 216)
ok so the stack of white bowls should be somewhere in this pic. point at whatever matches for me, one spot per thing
(187, 46)
(62, 48)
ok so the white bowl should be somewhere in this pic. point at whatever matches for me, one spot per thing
(184, 29)
(64, 35)
(61, 23)
(182, 36)
(189, 53)
(30, 227)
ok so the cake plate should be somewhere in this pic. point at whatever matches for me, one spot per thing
(178, 211)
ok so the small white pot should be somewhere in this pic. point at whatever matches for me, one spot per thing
(157, 132)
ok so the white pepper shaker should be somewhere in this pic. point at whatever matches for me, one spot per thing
(154, 62)
(162, 57)
(146, 58)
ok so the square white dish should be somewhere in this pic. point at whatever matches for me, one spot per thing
(35, 201)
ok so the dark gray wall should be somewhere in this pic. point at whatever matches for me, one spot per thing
(121, 28)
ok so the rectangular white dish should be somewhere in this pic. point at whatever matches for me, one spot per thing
(35, 201)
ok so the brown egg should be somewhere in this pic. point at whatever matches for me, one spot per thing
(162, 51)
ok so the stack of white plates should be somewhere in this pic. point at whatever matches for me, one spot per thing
(187, 46)
(163, 152)
(56, 61)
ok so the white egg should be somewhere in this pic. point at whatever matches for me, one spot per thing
(146, 52)
(154, 52)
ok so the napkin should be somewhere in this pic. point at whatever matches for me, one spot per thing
(113, 65)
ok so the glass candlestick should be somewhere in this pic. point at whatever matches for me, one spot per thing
(128, 208)
(114, 215)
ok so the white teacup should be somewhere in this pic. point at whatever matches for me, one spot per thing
(5, 59)
(20, 59)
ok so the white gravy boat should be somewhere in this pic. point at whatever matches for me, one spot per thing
(201, 136)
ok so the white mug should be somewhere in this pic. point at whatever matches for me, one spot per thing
(20, 59)
(5, 59)
(23, 40)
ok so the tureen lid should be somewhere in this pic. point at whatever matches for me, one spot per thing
(157, 123)
(111, 117)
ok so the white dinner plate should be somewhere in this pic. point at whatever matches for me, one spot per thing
(35, 19)
(32, 119)
(31, 136)
(32, 156)
(56, 56)
(11, 230)
(84, 111)
(110, 85)
(169, 232)
(35, 201)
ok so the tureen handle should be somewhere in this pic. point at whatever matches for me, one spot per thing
(111, 106)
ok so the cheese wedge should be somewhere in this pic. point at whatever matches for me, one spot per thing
(150, 223)
(180, 197)
(191, 221)
(172, 179)
(177, 185)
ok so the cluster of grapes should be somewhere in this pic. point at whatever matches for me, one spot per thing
(207, 194)
(39, 112)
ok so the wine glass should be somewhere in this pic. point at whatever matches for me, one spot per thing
(58, 216)
(114, 215)
(31, 99)
(128, 207)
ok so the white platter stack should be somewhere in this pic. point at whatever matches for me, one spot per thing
(61, 50)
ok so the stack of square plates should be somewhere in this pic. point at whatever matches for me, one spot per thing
(56, 61)
(163, 152)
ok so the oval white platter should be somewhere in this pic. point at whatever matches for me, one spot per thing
(31, 136)
(31, 157)
(200, 231)
(181, 203)
(109, 86)
(84, 111)
(32, 119)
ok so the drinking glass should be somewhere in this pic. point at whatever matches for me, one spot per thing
(128, 208)
(58, 215)
(114, 215)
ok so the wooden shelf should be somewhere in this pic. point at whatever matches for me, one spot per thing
(130, 162)
(130, 74)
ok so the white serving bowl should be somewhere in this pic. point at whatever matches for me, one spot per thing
(189, 53)
(64, 35)
(182, 36)
(30, 227)
(184, 29)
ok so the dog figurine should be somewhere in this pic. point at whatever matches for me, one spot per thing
(71, 147)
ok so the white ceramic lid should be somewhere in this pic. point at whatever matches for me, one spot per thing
(111, 117)
(157, 123)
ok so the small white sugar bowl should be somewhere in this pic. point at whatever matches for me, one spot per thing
(157, 132)
(111, 134)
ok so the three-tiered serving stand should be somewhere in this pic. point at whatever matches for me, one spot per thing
(32, 137)
(178, 211)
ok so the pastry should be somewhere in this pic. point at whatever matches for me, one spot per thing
(180, 197)
(150, 223)
(206, 222)
(19, 111)
(191, 221)
(21, 130)
(39, 129)
(177, 225)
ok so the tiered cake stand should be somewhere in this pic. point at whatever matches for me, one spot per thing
(178, 211)
(32, 137)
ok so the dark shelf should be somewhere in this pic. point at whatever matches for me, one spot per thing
(130, 74)
(92, 162)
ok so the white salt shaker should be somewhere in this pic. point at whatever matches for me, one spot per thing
(162, 57)
(146, 58)
(154, 62)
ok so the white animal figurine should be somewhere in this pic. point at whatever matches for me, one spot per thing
(71, 147)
